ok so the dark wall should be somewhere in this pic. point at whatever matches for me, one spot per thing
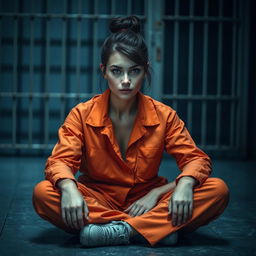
(252, 86)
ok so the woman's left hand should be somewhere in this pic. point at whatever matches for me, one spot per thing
(144, 204)
(181, 202)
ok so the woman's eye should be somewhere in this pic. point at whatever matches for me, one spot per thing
(116, 71)
(135, 71)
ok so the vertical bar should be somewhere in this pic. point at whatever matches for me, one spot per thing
(1, 51)
(176, 55)
(205, 74)
(190, 65)
(78, 55)
(154, 34)
(15, 81)
(95, 48)
(244, 15)
(63, 63)
(113, 6)
(31, 79)
(0, 44)
(129, 7)
(219, 76)
(47, 80)
(233, 81)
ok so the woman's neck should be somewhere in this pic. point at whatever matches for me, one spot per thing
(122, 108)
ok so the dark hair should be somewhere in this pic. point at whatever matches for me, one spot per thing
(126, 39)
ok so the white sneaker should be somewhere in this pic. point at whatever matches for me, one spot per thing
(113, 233)
(170, 239)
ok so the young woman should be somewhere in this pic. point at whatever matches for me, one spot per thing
(116, 140)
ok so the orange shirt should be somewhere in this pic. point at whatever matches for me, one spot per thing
(87, 143)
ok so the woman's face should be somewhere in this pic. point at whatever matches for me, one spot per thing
(124, 76)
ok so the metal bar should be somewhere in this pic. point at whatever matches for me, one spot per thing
(50, 146)
(63, 63)
(233, 81)
(78, 55)
(27, 146)
(243, 82)
(190, 66)
(129, 7)
(113, 7)
(47, 79)
(1, 51)
(219, 76)
(198, 18)
(31, 81)
(198, 97)
(67, 16)
(154, 32)
(95, 50)
(43, 95)
(87, 95)
(205, 74)
(15, 81)
(239, 79)
(175, 55)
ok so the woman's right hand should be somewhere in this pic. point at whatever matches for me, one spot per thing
(73, 205)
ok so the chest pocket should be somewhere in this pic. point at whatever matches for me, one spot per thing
(148, 162)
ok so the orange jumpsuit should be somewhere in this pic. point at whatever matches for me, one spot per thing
(109, 184)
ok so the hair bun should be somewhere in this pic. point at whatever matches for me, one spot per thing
(120, 24)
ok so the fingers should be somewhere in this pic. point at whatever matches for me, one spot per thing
(190, 210)
(73, 216)
(185, 213)
(170, 208)
(174, 213)
(68, 218)
(79, 216)
(129, 208)
(136, 210)
(181, 212)
(86, 211)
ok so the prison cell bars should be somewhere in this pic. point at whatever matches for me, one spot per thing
(204, 97)
(236, 94)
(205, 75)
(15, 95)
(190, 66)
(31, 79)
(233, 80)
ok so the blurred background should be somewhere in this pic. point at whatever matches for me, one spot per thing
(202, 53)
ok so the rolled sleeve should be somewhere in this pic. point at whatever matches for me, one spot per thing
(65, 159)
(191, 160)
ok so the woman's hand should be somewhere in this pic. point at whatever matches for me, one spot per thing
(73, 206)
(144, 204)
(181, 202)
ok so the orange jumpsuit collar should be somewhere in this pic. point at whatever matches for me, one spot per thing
(99, 117)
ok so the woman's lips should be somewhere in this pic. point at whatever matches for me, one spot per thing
(125, 90)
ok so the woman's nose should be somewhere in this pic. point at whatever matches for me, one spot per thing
(126, 79)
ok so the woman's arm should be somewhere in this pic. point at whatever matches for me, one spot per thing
(65, 159)
(73, 205)
(181, 202)
(191, 160)
(149, 201)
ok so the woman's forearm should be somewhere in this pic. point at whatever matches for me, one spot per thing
(186, 180)
(165, 188)
(65, 184)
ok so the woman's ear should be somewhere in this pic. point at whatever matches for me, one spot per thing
(102, 68)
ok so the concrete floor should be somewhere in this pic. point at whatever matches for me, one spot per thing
(24, 233)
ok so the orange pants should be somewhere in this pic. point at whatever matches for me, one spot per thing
(210, 200)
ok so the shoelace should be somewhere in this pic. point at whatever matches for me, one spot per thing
(114, 233)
